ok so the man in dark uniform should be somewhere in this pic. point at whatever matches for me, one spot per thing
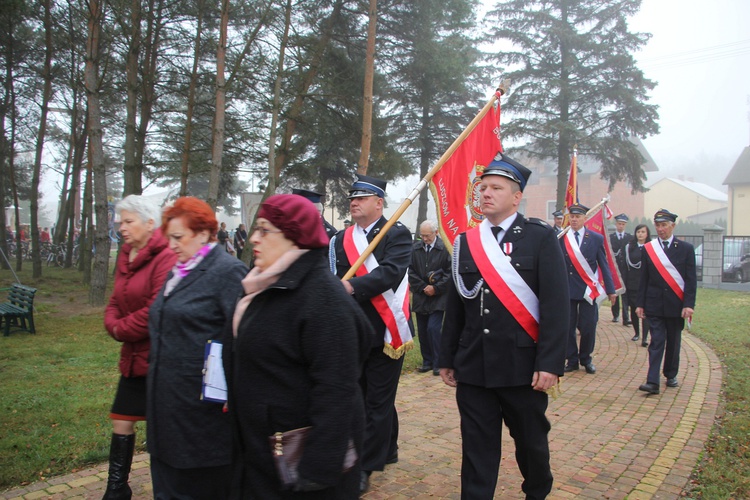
(619, 240)
(558, 215)
(504, 334)
(240, 239)
(429, 279)
(381, 281)
(584, 255)
(316, 198)
(666, 297)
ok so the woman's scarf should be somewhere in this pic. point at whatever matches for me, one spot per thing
(256, 281)
(182, 269)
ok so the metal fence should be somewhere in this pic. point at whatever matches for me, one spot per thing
(697, 242)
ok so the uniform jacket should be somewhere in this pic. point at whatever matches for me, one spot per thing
(393, 254)
(592, 249)
(633, 267)
(183, 431)
(296, 362)
(436, 263)
(618, 249)
(654, 294)
(136, 285)
(482, 341)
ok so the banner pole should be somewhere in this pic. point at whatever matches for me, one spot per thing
(502, 89)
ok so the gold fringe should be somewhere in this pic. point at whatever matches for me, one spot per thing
(556, 390)
(397, 353)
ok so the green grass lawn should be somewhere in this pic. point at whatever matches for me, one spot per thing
(58, 385)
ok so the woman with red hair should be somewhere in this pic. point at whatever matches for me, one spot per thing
(189, 438)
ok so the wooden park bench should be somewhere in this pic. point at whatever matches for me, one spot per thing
(18, 311)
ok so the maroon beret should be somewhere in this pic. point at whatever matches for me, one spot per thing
(298, 219)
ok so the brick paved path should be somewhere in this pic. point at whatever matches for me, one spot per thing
(608, 439)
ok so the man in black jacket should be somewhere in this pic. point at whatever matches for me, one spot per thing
(504, 334)
(429, 278)
(619, 240)
(317, 198)
(381, 288)
(666, 297)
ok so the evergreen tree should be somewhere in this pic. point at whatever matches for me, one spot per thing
(574, 81)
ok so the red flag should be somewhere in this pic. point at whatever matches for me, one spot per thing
(571, 191)
(596, 224)
(455, 187)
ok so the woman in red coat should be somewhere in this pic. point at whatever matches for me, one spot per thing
(142, 266)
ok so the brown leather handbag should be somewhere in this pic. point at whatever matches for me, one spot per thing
(287, 448)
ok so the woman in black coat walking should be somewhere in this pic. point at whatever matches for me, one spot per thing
(189, 438)
(634, 260)
(298, 345)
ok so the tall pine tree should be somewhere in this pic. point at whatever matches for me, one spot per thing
(575, 82)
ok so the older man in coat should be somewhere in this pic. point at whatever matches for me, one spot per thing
(429, 278)
(585, 260)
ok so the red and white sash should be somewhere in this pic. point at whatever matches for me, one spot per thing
(665, 267)
(393, 307)
(595, 290)
(503, 279)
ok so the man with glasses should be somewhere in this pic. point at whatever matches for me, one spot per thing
(429, 278)
(381, 288)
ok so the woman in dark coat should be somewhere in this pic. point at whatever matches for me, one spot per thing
(142, 265)
(189, 438)
(634, 259)
(299, 341)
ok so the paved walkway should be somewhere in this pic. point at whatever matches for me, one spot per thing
(608, 439)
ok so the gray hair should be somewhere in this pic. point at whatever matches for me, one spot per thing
(431, 224)
(145, 208)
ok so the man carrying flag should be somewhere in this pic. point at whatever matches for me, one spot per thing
(504, 334)
(666, 297)
(585, 261)
(381, 288)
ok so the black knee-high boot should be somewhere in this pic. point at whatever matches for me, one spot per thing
(120, 458)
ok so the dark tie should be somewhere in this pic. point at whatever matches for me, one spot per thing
(578, 240)
(665, 244)
(619, 236)
(427, 248)
(496, 230)
(364, 230)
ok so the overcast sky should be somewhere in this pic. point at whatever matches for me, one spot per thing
(700, 57)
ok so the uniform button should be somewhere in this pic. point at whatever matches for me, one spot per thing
(486, 311)
(486, 331)
(486, 290)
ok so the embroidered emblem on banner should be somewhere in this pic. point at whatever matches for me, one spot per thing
(474, 197)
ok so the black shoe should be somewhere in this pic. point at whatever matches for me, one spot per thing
(424, 369)
(636, 337)
(364, 480)
(571, 367)
(590, 368)
(644, 344)
(436, 372)
(393, 459)
(649, 388)
(627, 323)
(672, 382)
(615, 319)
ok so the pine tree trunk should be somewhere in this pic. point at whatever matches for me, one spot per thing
(131, 173)
(277, 101)
(99, 274)
(191, 102)
(364, 154)
(218, 135)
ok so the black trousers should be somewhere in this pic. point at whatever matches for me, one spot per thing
(666, 340)
(483, 411)
(379, 382)
(583, 316)
(616, 308)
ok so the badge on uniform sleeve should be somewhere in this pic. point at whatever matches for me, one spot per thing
(507, 248)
